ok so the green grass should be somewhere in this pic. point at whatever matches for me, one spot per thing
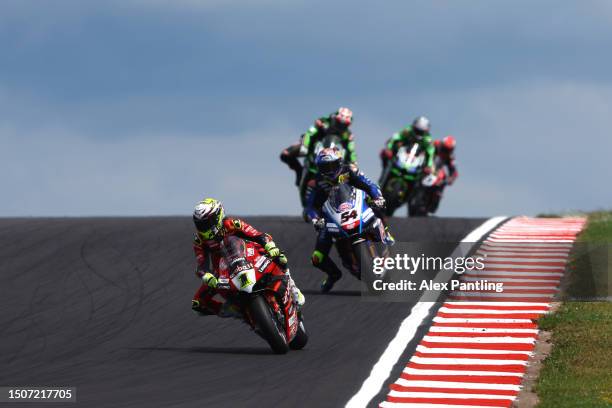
(578, 373)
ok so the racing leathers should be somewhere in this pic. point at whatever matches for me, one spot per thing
(208, 254)
(444, 162)
(322, 127)
(406, 137)
(317, 195)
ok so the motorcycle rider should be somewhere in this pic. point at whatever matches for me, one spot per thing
(445, 161)
(211, 226)
(333, 171)
(337, 123)
(419, 132)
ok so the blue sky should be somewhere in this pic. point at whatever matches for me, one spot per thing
(140, 107)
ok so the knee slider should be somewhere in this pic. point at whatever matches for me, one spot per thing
(317, 258)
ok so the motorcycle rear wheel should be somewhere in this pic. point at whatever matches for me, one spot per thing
(417, 207)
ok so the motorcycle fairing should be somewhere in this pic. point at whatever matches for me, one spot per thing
(346, 211)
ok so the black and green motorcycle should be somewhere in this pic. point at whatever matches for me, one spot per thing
(400, 181)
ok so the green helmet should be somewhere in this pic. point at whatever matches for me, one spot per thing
(208, 217)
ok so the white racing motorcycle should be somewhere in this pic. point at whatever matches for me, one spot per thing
(357, 231)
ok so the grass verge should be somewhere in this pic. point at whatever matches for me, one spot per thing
(578, 372)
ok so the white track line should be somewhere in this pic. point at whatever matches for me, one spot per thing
(478, 340)
(452, 384)
(459, 329)
(382, 369)
(473, 373)
(413, 394)
(386, 404)
(478, 361)
(484, 310)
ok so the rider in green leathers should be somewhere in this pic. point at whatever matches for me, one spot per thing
(338, 123)
(418, 132)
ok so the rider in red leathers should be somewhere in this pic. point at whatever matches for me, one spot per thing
(212, 225)
(445, 162)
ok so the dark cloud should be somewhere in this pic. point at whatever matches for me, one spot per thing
(517, 82)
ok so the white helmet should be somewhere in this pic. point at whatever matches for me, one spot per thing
(208, 218)
(421, 126)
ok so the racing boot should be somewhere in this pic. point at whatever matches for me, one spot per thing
(324, 263)
(387, 237)
(289, 157)
(298, 298)
(298, 175)
(197, 307)
(328, 283)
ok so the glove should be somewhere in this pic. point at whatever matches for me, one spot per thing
(386, 154)
(272, 249)
(426, 170)
(379, 203)
(450, 181)
(282, 259)
(318, 223)
(210, 279)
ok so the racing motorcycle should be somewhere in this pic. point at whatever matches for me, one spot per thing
(356, 230)
(420, 200)
(310, 168)
(258, 288)
(401, 180)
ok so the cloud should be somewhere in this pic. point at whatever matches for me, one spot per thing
(58, 173)
(524, 149)
(143, 107)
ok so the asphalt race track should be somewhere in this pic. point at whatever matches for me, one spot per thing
(103, 305)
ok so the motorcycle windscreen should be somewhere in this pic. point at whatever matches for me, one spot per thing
(234, 252)
(342, 197)
(410, 160)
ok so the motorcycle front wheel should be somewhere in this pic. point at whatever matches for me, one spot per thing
(301, 337)
(364, 253)
(268, 324)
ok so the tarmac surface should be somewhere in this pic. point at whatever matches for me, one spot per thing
(104, 305)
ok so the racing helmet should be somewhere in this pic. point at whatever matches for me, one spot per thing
(421, 126)
(208, 217)
(449, 143)
(342, 119)
(329, 162)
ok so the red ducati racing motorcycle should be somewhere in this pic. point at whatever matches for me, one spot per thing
(254, 283)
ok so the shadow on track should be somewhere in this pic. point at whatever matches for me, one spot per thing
(314, 292)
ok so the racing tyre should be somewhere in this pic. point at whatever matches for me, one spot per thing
(417, 206)
(394, 193)
(267, 323)
(364, 253)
